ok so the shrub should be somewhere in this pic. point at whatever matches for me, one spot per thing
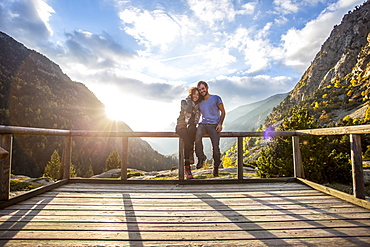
(20, 185)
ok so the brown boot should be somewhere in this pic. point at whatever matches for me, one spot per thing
(201, 162)
(188, 172)
(215, 171)
(191, 158)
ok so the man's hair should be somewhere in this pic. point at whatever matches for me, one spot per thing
(202, 82)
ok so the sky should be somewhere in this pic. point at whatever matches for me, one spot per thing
(140, 57)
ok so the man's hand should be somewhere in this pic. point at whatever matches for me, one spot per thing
(219, 127)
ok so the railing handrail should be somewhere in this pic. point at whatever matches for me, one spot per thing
(7, 132)
(16, 130)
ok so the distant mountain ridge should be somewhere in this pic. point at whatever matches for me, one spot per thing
(36, 93)
(251, 116)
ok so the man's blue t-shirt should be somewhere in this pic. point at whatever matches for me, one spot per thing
(209, 109)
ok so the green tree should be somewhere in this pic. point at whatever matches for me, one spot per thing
(113, 162)
(52, 168)
(325, 159)
(89, 172)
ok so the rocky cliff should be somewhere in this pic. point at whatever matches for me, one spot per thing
(337, 81)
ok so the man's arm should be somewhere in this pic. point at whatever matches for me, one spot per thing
(222, 117)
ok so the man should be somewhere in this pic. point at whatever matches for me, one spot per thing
(213, 115)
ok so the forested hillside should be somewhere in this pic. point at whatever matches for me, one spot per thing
(34, 92)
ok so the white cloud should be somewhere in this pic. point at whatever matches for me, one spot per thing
(286, 6)
(28, 20)
(154, 28)
(44, 11)
(211, 11)
(217, 12)
(255, 46)
(247, 9)
(301, 45)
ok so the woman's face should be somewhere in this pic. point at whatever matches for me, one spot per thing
(195, 96)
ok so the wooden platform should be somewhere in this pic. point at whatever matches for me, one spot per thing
(253, 214)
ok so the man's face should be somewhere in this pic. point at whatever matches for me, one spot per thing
(203, 90)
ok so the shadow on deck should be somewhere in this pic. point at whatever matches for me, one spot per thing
(275, 213)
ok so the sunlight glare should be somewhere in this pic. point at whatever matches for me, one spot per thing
(139, 114)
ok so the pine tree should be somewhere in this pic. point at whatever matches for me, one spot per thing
(113, 162)
(89, 172)
(52, 168)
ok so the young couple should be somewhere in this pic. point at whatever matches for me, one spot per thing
(212, 112)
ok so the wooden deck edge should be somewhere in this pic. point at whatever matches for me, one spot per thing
(339, 194)
(183, 182)
(32, 193)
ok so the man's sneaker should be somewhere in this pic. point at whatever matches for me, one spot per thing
(191, 158)
(215, 171)
(201, 162)
(188, 172)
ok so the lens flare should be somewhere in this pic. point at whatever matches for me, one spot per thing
(269, 133)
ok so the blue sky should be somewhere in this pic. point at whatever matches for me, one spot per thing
(140, 57)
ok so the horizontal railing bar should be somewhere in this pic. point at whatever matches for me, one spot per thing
(359, 129)
(32, 131)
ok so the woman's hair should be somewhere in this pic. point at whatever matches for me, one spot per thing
(192, 91)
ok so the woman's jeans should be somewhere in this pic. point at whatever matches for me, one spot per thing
(209, 129)
(187, 134)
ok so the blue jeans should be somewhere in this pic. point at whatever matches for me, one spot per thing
(209, 129)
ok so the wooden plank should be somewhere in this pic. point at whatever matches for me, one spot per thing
(182, 213)
(178, 236)
(218, 194)
(337, 193)
(344, 241)
(236, 217)
(203, 208)
(183, 188)
(184, 226)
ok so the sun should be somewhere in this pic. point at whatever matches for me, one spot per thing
(138, 113)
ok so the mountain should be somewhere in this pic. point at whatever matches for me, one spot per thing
(251, 116)
(36, 93)
(336, 84)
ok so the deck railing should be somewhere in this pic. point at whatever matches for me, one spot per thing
(7, 133)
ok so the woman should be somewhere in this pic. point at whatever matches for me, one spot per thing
(187, 126)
